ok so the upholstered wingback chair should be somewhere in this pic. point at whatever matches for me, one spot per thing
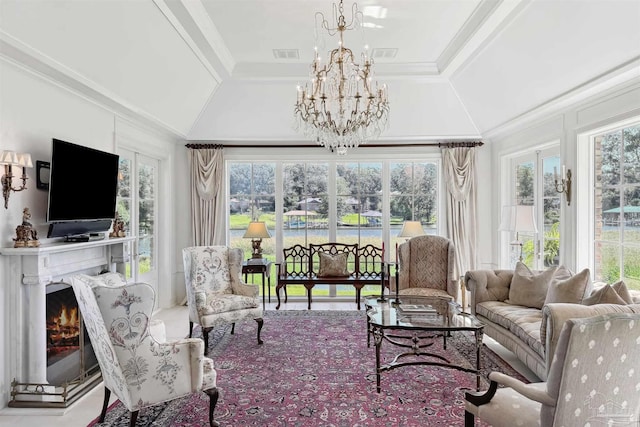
(216, 294)
(139, 370)
(594, 380)
(426, 267)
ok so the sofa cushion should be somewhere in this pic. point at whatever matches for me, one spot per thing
(524, 322)
(528, 288)
(623, 292)
(605, 295)
(568, 287)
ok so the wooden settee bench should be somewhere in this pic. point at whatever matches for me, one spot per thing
(302, 265)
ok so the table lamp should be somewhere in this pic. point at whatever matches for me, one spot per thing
(256, 231)
(518, 218)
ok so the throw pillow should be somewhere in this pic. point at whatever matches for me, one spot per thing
(623, 292)
(528, 288)
(333, 265)
(604, 295)
(568, 287)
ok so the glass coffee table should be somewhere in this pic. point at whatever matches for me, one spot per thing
(425, 319)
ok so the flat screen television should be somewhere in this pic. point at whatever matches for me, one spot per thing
(83, 185)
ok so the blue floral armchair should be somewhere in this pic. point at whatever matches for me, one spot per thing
(139, 370)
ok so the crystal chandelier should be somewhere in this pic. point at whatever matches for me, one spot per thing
(340, 108)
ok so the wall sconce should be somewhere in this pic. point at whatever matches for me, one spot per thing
(256, 231)
(10, 159)
(564, 184)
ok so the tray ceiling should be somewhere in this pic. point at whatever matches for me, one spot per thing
(206, 69)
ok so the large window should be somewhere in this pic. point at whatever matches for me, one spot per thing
(359, 203)
(533, 185)
(413, 196)
(306, 202)
(617, 206)
(251, 198)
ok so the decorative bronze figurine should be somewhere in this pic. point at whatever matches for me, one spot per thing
(26, 235)
(118, 227)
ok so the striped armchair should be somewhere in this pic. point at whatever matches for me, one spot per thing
(426, 267)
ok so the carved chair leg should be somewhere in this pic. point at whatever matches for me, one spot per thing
(260, 323)
(278, 295)
(205, 336)
(105, 404)
(132, 420)
(190, 328)
(213, 400)
(233, 328)
(469, 419)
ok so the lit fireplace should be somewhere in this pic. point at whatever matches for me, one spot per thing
(69, 353)
(63, 326)
(38, 360)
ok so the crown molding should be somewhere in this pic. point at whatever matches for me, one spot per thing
(484, 25)
(622, 75)
(31, 60)
(208, 30)
(186, 31)
(471, 26)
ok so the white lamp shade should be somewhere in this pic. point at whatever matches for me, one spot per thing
(518, 218)
(24, 160)
(257, 230)
(411, 229)
(8, 158)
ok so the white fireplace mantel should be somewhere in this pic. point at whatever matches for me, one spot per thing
(29, 272)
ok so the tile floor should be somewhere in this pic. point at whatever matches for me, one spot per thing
(88, 407)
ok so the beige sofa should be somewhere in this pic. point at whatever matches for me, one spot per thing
(525, 331)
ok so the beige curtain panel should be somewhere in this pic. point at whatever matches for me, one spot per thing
(207, 192)
(461, 180)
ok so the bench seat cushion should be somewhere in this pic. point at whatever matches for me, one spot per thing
(522, 321)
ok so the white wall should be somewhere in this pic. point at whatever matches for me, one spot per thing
(33, 110)
(564, 125)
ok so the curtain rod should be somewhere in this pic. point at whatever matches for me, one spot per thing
(451, 144)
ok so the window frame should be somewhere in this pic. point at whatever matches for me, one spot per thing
(585, 252)
(385, 156)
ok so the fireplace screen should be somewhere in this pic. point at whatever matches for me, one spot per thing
(70, 356)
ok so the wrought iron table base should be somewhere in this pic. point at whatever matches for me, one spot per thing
(379, 336)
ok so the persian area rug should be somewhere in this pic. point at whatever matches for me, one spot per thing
(315, 369)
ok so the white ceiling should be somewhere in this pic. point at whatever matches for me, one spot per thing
(205, 69)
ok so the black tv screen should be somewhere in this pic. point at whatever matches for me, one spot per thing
(83, 184)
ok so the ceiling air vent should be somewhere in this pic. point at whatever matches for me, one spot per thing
(286, 54)
(384, 52)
